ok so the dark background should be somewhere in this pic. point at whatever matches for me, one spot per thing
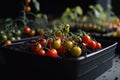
(53, 8)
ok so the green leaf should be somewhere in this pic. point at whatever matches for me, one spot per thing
(97, 13)
(39, 15)
(91, 7)
(8, 20)
(79, 10)
(36, 4)
(67, 13)
(103, 16)
(84, 18)
(99, 7)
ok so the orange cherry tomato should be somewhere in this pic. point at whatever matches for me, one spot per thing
(8, 42)
(27, 1)
(27, 8)
(32, 32)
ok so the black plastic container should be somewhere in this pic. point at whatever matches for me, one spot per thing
(30, 66)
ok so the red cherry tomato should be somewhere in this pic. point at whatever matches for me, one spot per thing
(86, 39)
(49, 43)
(98, 45)
(36, 47)
(52, 53)
(41, 52)
(27, 30)
(92, 44)
(43, 42)
(61, 50)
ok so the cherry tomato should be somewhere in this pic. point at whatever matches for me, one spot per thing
(76, 51)
(41, 52)
(52, 53)
(8, 42)
(2, 32)
(56, 44)
(92, 44)
(18, 32)
(68, 44)
(67, 28)
(43, 42)
(18, 38)
(3, 37)
(98, 45)
(86, 39)
(35, 47)
(49, 43)
(31, 33)
(27, 1)
(40, 31)
(12, 38)
(116, 21)
(58, 33)
(61, 50)
(27, 8)
(27, 30)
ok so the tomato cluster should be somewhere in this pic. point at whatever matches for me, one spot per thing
(32, 32)
(40, 47)
(8, 36)
(62, 42)
(27, 8)
(91, 43)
